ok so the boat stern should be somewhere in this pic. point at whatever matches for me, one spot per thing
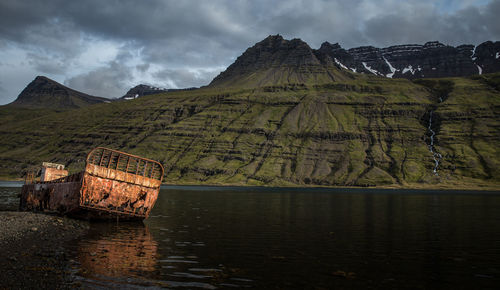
(119, 185)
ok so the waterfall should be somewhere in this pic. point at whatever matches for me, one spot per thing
(435, 155)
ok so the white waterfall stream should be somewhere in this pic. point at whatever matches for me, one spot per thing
(435, 155)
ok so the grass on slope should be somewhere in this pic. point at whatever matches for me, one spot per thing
(368, 131)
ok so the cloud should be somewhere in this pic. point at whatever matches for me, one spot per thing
(142, 67)
(2, 90)
(46, 65)
(110, 81)
(471, 25)
(185, 78)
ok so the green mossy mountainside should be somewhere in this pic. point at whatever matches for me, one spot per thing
(359, 130)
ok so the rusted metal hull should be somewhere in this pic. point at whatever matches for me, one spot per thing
(102, 190)
(51, 197)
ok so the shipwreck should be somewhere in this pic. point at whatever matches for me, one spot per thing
(113, 185)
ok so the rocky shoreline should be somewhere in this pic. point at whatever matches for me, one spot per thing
(32, 253)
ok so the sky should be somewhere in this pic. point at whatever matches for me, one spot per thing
(104, 48)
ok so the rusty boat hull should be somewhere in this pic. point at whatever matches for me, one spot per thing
(114, 185)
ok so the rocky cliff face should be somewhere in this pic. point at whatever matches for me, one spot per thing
(43, 92)
(431, 60)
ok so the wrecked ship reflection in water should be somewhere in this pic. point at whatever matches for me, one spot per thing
(119, 251)
(208, 238)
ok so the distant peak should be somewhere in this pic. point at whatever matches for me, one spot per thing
(43, 92)
(274, 61)
(271, 41)
(273, 37)
(297, 42)
(43, 78)
(328, 45)
(433, 44)
(142, 90)
(276, 41)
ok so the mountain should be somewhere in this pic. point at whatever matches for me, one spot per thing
(43, 92)
(142, 90)
(283, 116)
(146, 90)
(411, 61)
(363, 132)
(276, 61)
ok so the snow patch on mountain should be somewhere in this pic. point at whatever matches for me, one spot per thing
(370, 69)
(339, 63)
(343, 66)
(393, 69)
(131, 98)
(409, 68)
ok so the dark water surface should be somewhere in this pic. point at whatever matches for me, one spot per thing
(9, 199)
(212, 237)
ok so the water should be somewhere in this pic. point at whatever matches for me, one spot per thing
(9, 191)
(213, 237)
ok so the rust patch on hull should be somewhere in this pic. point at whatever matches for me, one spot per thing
(113, 185)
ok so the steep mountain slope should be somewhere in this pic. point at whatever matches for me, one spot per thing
(43, 92)
(276, 61)
(372, 131)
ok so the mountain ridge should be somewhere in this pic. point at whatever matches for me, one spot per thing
(277, 61)
(276, 55)
(141, 90)
(43, 92)
(146, 90)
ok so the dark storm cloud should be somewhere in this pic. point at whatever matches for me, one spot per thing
(471, 25)
(183, 78)
(45, 64)
(202, 25)
(142, 67)
(188, 42)
(112, 79)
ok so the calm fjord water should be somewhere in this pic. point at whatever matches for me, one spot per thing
(212, 237)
